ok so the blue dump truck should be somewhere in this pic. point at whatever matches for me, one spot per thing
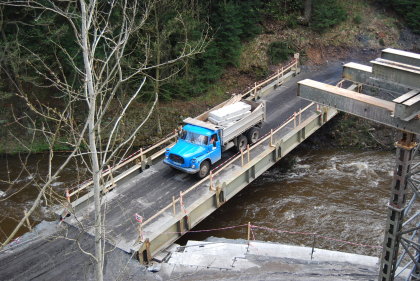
(234, 123)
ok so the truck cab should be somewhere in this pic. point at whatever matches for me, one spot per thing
(196, 150)
(235, 123)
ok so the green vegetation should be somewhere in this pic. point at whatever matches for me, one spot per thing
(35, 42)
(409, 10)
(357, 19)
(232, 23)
(279, 52)
(326, 14)
(287, 11)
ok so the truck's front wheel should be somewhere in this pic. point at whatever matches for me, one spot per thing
(204, 169)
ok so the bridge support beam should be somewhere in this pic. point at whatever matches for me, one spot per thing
(360, 73)
(401, 56)
(399, 75)
(396, 205)
(396, 72)
(361, 105)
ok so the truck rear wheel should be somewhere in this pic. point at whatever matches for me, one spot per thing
(242, 142)
(204, 169)
(253, 135)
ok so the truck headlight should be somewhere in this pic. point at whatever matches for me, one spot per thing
(193, 160)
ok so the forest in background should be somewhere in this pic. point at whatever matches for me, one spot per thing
(31, 38)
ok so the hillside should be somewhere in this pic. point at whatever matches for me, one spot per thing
(249, 40)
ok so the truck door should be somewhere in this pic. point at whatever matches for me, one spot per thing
(215, 148)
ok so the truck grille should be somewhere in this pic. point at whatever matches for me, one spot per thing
(176, 158)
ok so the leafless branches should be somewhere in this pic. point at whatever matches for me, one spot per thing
(89, 120)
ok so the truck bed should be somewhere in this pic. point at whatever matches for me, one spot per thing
(232, 130)
(257, 116)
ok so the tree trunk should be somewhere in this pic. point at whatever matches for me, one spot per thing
(307, 11)
(157, 85)
(92, 144)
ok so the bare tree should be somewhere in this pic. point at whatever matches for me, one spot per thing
(105, 43)
(307, 11)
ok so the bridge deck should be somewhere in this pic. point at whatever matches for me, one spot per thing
(153, 189)
(57, 256)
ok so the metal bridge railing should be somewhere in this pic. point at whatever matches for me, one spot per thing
(141, 159)
(295, 119)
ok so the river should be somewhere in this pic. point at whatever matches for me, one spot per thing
(337, 194)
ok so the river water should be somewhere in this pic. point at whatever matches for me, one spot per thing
(337, 194)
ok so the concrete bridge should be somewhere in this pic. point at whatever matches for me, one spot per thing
(148, 205)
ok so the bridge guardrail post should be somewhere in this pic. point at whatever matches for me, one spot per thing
(173, 205)
(255, 90)
(282, 74)
(271, 138)
(300, 116)
(247, 152)
(111, 177)
(249, 233)
(211, 181)
(141, 155)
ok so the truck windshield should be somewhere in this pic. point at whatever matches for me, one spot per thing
(194, 138)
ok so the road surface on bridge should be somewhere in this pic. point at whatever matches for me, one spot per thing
(54, 255)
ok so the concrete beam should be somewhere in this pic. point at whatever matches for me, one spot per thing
(407, 106)
(360, 73)
(357, 72)
(396, 72)
(401, 56)
(361, 105)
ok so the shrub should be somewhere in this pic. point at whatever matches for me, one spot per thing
(357, 19)
(326, 14)
(279, 52)
(409, 10)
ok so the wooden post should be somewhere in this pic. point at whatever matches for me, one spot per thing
(181, 203)
(300, 116)
(249, 231)
(247, 150)
(271, 137)
(242, 158)
(111, 176)
(211, 181)
(141, 154)
(140, 230)
(27, 220)
(173, 205)
(255, 89)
